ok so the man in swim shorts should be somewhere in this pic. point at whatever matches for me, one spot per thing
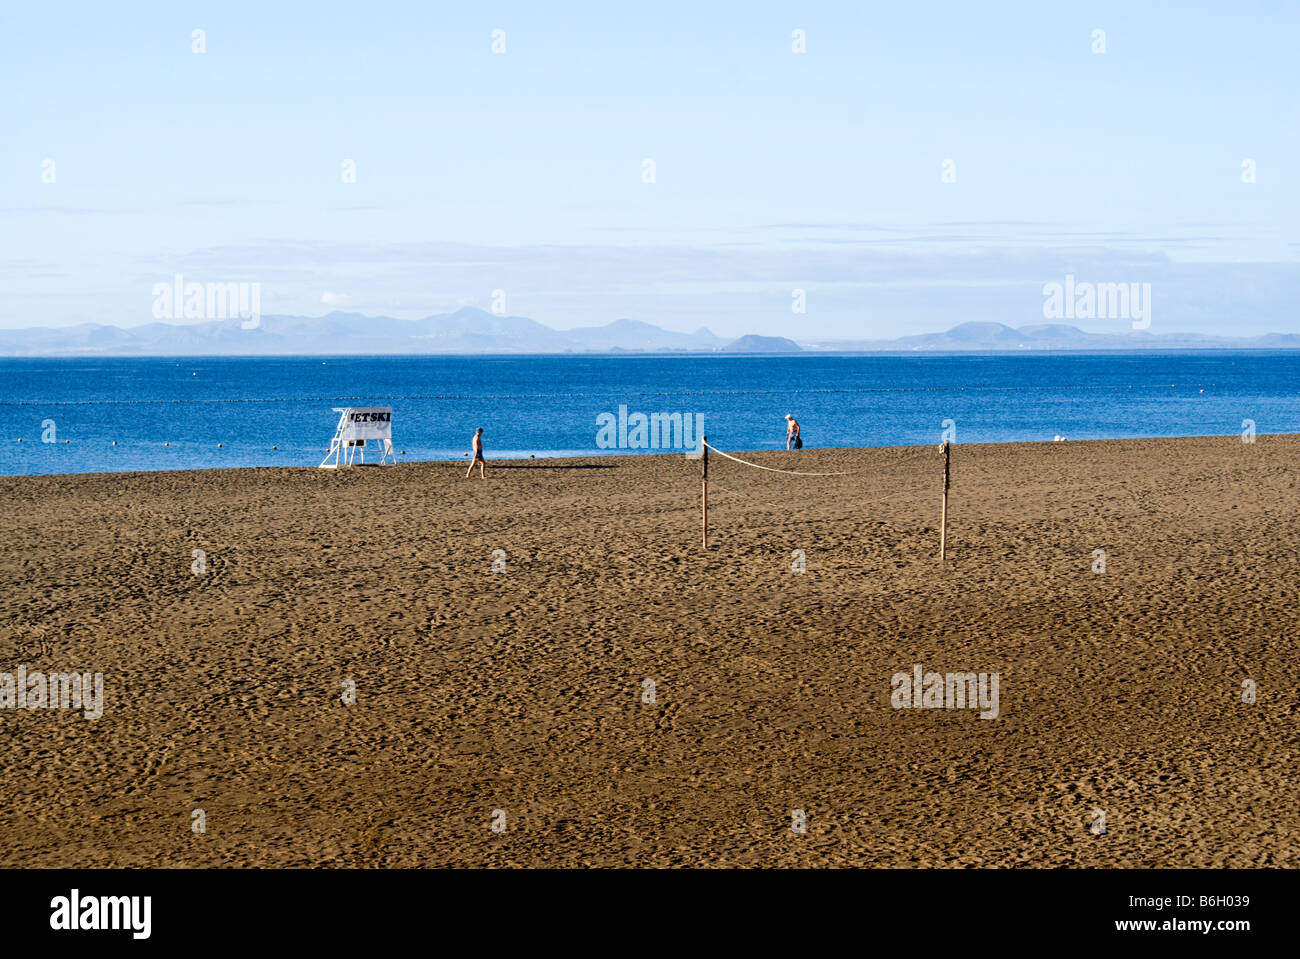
(477, 443)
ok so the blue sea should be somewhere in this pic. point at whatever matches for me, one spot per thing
(199, 413)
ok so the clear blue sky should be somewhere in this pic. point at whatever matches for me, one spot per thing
(522, 171)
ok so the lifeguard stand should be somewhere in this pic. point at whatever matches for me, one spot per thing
(358, 425)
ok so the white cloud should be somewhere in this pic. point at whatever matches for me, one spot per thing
(335, 299)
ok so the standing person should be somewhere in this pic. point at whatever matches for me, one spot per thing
(792, 441)
(477, 443)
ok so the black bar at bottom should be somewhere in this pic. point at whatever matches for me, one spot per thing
(648, 909)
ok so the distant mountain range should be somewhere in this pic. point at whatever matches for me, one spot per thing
(471, 330)
(467, 330)
(1054, 336)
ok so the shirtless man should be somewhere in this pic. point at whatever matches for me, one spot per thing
(477, 442)
(791, 432)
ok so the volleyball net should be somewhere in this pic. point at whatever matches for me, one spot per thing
(706, 447)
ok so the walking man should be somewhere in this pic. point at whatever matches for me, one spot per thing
(792, 441)
(477, 443)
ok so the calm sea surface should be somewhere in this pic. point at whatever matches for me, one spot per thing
(549, 405)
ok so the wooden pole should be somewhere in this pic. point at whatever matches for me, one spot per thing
(704, 496)
(943, 517)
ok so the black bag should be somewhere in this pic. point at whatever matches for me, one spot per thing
(798, 442)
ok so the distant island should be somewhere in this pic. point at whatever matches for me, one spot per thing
(471, 331)
(753, 343)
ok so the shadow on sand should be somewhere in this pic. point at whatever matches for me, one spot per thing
(547, 466)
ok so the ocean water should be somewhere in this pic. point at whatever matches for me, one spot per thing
(168, 413)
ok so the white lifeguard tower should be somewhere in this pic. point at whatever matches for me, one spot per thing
(358, 425)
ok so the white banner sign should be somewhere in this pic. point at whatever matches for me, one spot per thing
(368, 423)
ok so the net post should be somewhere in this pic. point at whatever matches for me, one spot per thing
(704, 495)
(943, 516)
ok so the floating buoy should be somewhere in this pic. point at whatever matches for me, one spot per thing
(114, 442)
(218, 446)
(67, 441)
(1202, 391)
(20, 439)
(167, 444)
(275, 447)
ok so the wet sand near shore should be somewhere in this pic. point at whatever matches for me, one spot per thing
(521, 698)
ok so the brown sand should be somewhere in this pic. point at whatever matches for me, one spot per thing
(522, 691)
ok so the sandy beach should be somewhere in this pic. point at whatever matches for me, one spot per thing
(619, 697)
